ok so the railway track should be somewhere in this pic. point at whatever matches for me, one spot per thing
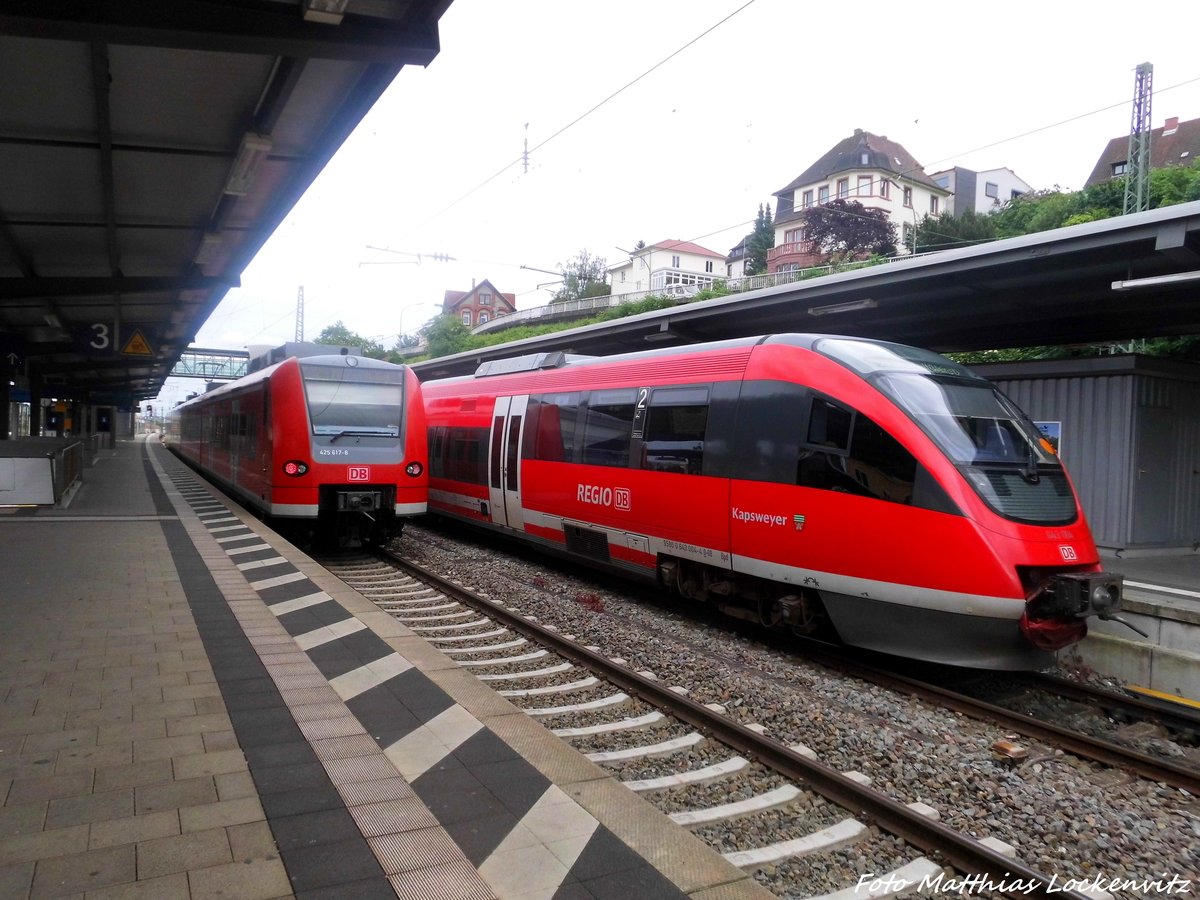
(1181, 774)
(707, 771)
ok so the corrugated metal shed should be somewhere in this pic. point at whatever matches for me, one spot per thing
(1130, 439)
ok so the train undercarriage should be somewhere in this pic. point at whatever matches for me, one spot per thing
(767, 603)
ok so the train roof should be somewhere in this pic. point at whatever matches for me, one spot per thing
(350, 361)
(560, 360)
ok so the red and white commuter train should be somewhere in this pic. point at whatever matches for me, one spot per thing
(334, 446)
(807, 481)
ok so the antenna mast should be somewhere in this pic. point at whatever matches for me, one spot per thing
(1137, 166)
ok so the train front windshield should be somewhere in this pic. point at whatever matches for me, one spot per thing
(1000, 452)
(346, 399)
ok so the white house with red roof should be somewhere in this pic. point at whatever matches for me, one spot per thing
(667, 267)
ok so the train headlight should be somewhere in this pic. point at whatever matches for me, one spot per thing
(295, 468)
(414, 469)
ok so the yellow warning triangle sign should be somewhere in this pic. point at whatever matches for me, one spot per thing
(137, 345)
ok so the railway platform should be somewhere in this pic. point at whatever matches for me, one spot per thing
(1162, 598)
(191, 707)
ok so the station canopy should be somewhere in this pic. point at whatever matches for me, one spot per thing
(149, 150)
(1134, 276)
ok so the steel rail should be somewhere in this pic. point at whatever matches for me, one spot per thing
(1095, 749)
(964, 853)
(1177, 717)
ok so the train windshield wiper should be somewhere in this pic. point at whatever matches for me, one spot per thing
(1029, 468)
(342, 434)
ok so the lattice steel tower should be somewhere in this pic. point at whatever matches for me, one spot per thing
(300, 315)
(1137, 167)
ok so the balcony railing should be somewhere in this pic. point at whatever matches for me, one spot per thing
(792, 248)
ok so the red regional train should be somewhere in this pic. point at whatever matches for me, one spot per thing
(331, 446)
(812, 482)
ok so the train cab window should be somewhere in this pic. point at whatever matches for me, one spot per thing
(673, 439)
(550, 427)
(880, 464)
(848, 452)
(359, 400)
(829, 425)
(607, 427)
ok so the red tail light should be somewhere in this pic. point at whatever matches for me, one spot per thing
(295, 468)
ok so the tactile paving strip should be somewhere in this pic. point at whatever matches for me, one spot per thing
(449, 758)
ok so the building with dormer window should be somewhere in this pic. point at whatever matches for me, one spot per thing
(1176, 143)
(868, 168)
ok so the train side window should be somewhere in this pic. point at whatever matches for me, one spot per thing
(465, 455)
(252, 435)
(673, 440)
(550, 427)
(607, 427)
(767, 433)
(437, 450)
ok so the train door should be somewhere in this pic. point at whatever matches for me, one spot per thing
(504, 462)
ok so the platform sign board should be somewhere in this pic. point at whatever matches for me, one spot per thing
(102, 339)
(136, 345)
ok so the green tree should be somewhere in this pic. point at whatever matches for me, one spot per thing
(339, 335)
(1174, 184)
(847, 229)
(760, 241)
(583, 276)
(447, 335)
(947, 231)
(1034, 212)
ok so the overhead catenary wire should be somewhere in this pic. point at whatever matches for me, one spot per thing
(523, 158)
(906, 173)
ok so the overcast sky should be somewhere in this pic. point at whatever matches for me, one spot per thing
(742, 97)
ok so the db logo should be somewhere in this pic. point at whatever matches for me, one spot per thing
(1068, 553)
(358, 473)
(621, 498)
